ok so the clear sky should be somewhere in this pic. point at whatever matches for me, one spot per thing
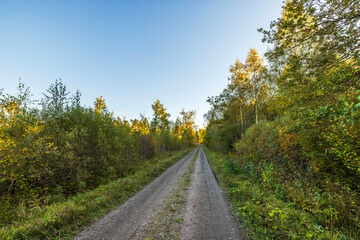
(130, 52)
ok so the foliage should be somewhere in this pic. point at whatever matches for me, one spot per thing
(323, 28)
(65, 148)
(160, 121)
(315, 64)
(271, 155)
(200, 134)
(20, 142)
(304, 151)
(272, 142)
(248, 81)
(64, 218)
(186, 127)
(330, 136)
(271, 208)
(241, 104)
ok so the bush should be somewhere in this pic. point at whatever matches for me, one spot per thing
(148, 146)
(271, 155)
(271, 142)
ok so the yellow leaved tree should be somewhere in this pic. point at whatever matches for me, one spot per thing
(248, 81)
(21, 143)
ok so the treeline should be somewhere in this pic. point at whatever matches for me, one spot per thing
(56, 146)
(294, 124)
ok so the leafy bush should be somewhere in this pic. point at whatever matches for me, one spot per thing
(232, 166)
(271, 154)
(330, 137)
(271, 142)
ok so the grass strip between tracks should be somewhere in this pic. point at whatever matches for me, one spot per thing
(63, 220)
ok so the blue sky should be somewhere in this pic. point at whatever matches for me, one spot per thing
(130, 52)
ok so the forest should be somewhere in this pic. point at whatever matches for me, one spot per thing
(282, 138)
(54, 148)
(291, 123)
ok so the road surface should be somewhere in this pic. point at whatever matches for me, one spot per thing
(206, 214)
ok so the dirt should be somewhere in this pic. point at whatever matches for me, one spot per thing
(173, 206)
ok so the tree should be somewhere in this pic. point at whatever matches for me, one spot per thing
(177, 128)
(160, 121)
(239, 104)
(100, 105)
(328, 30)
(20, 142)
(75, 99)
(315, 65)
(141, 126)
(248, 81)
(200, 135)
(188, 126)
(55, 101)
(188, 118)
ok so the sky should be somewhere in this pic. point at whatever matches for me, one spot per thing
(130, 52)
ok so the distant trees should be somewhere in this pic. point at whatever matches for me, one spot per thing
(187, 128)
(55, 99)
(100, 105)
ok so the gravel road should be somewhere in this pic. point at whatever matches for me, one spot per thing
(206, 215)
(133, 215)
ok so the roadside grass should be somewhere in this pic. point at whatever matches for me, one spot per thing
(267, 213)
(167, 224)
(62, 220)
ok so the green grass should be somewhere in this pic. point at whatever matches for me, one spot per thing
(64, 219)
(266, 214)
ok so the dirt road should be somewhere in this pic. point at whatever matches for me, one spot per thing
(206, 214)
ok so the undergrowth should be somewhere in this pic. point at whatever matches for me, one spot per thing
(271, 209)
(62, 220)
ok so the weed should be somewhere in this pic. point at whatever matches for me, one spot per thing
(178, 220)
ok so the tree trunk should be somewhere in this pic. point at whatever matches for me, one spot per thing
(256, 112)
(241, 118)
